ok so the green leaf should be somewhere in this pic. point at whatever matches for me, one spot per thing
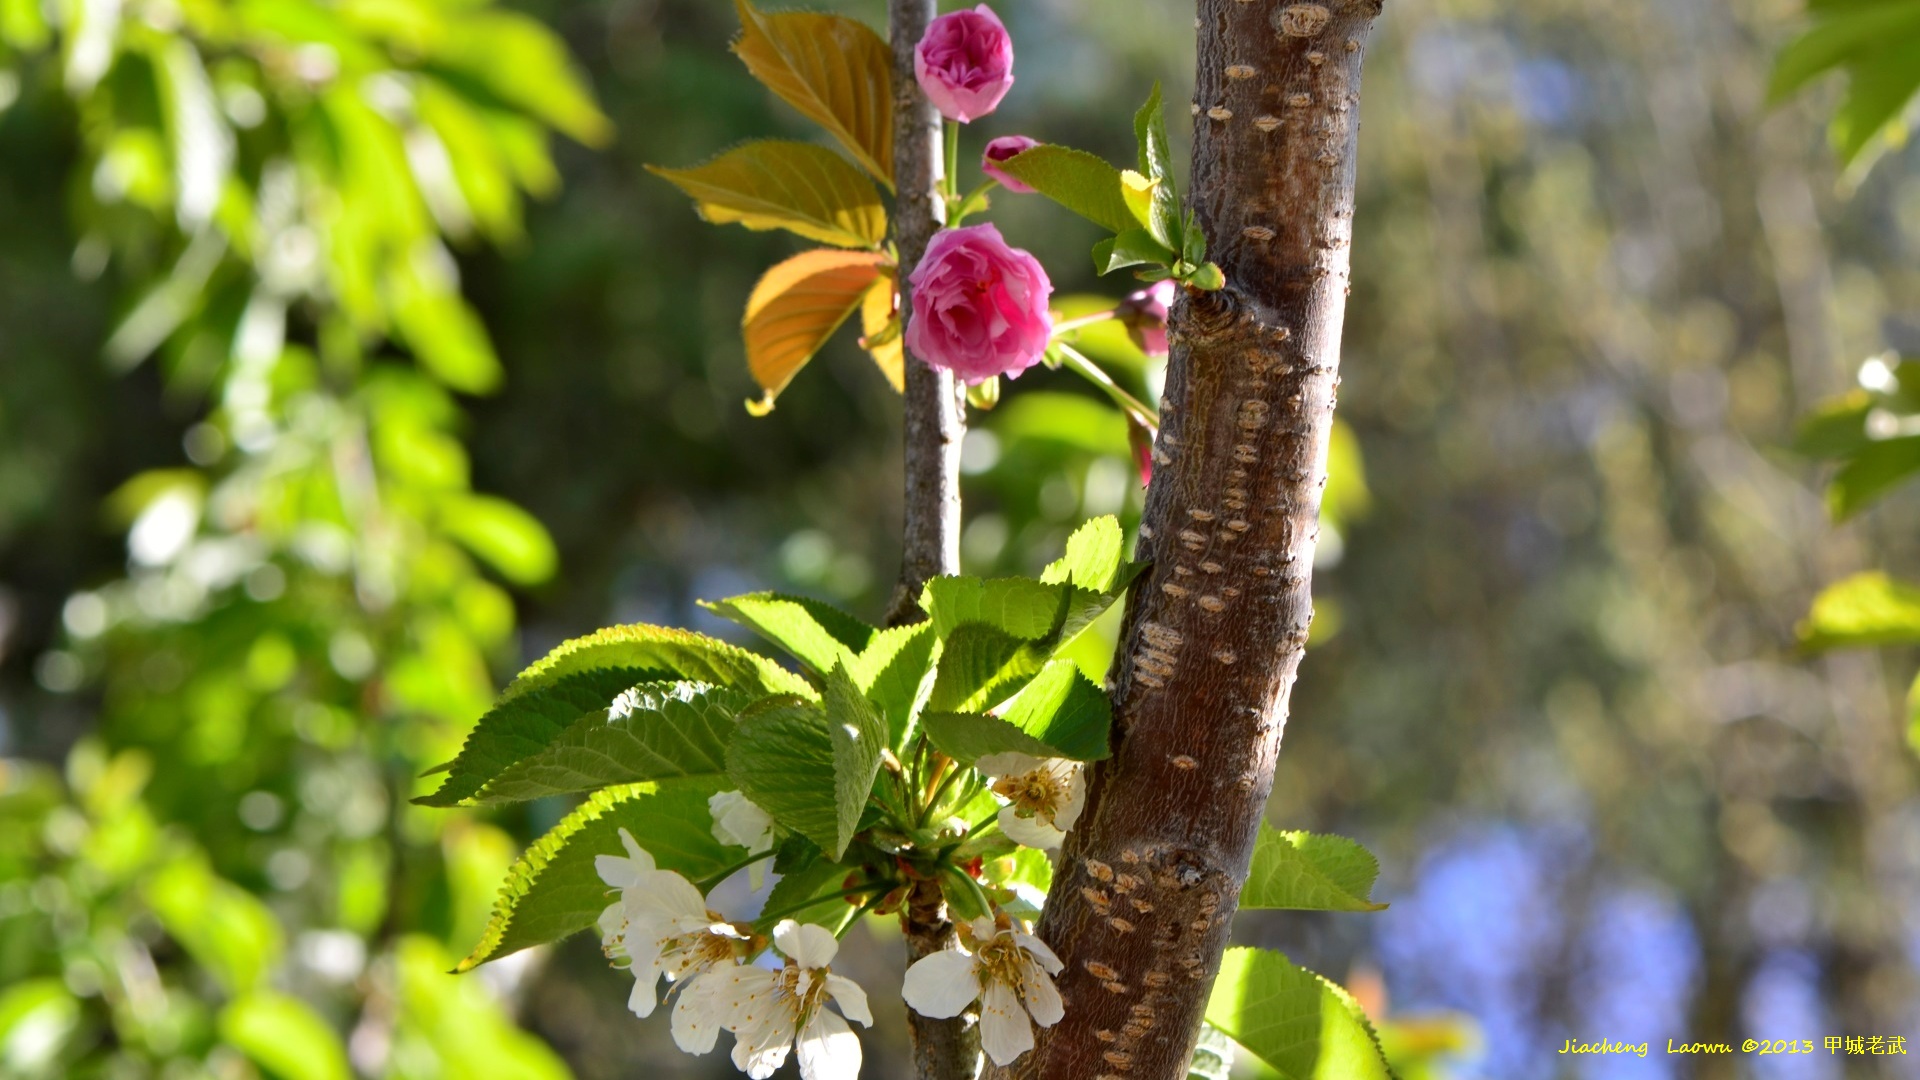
(1076, 180)
(1135, 247)
(1837, 429)
(835, 70)
(1156, 163)
(980, 666)
(1060, 714)
(805, 189)
(1845, 35)
(511, 540)
(522, 64)
(968, 737)
(37, 1017)
(664, 731)
(1064, 710)
(1878, 45)
(1072, 420)
(822, 879)
(819, 635)
(1212, 1057)
(1208, 278)
(1150, 133)
(226, 929)
(1913, 715)
(1865, 609)
(1021, 607)
(553, 889)
(1301, 1025)
(1194, 249)
(859, 735)
(523, 726)
(1876, 469)
(1094, 555)
(782, 757)
(891, 673)
(673, 654)
(1877, 94)
(284, 1036)
(461, 1025)
(1299, 871)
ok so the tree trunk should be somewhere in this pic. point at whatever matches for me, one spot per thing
(935, 425)
(935, 420)
(1145, 892)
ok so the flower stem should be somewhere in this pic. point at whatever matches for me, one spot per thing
(707, 883)
(939, 793)
(1062, 329)
(952, 180)
(853, 919)
(1091, 372)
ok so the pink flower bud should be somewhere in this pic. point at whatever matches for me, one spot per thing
(1001, 149)
(979, 306)
(965, 63)
(1145, 316)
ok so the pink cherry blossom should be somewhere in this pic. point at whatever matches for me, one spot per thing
(1145, 316)
(979, 306)
(1001, 149)
(965, 63)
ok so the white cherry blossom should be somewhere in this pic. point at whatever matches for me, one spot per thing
(1043, 797)
(772, 1012)
(661, 926)
(1008, 971)
(737, 821)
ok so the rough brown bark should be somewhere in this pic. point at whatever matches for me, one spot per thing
(1144, 896)
(935, 422)
(935, 425)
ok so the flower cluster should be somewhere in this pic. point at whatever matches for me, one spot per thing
(721, 976)
(980, 307)
(661, 926)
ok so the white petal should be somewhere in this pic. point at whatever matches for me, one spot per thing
(1040, 952)
(612, 923)
(1041, 996)
(760, 1053)
(697, 1014)
(641, 857)
(1030, 832)
(1005, 1031)
(616, 871)
(1064, 817)
(643, 999)
(737, 821)
(644, 941)
(1008, 763)
(828, 1049)
(941, 986)
(851, 998)
(666, 893)
(805, 944)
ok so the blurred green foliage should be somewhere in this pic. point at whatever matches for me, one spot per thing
(228, 873)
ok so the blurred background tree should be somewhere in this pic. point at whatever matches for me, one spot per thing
(250, 591)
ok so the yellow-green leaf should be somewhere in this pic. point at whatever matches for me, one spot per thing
(797, 306)
(835, 70)
(880, 331)
(807, 189)
(1865, 609)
